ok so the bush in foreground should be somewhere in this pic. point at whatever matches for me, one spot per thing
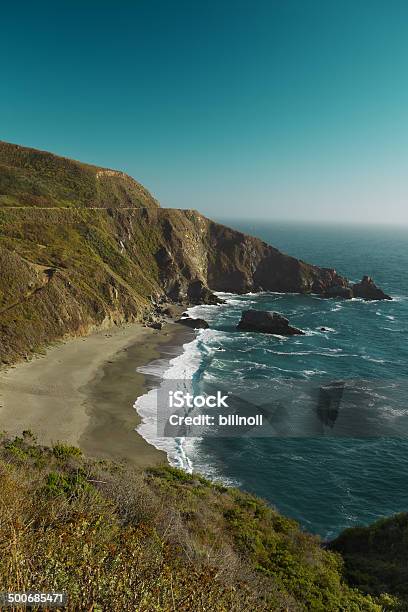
(162, 539)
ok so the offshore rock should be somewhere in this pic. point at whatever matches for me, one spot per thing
(267, 322)
(368, 290)
(193, 323)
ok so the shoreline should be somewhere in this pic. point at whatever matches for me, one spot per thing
(82, 392)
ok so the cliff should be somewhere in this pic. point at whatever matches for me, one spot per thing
(82, 246)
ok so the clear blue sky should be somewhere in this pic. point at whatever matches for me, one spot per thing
(276, 109)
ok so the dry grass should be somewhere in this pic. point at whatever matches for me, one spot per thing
(156, 540)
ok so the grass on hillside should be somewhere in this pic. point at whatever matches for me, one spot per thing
(95, 278)
(151, 540)
(29, 177)
(376, 557)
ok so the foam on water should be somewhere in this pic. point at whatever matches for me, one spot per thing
(182, 367)
(327, 483)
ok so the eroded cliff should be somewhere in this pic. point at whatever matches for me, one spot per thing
(83, 247)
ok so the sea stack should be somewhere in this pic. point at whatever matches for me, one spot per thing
(368, 290)
(267, 322)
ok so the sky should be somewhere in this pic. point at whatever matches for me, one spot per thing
(262, 109)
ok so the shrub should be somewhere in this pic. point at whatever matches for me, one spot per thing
(64, 451)
(161, 540)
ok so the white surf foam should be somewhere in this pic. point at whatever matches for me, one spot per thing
(182, 367)
(309, 373)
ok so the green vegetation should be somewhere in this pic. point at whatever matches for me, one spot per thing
(36, 178)
(83, 247)
(376, 557)
(156, 540)
(65, 271)
(68, 267)
(63, 451)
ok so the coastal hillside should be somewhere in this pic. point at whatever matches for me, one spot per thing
(158, 539)
(29, 177)
(83, 247)
(375, 557)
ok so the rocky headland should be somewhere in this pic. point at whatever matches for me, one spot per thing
(85, 248)
(116, 256)
(368, 290)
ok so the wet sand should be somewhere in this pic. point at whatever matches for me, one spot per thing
(82, 392)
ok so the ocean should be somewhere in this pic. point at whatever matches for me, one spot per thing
(328, 475)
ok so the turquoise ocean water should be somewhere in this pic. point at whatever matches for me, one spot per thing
(326, 482)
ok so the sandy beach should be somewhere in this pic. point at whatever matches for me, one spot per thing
(82, 392)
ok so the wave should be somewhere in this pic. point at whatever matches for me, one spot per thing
(174, 448)
(308, 373)
(313, 332)
(182, 367)
(374, 359)
(327, 352)
(227, 356)
(203, 310)
(386, 316)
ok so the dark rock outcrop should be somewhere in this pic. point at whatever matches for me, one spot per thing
(170, 310)
(368, 290)
(154, 324)
(240, 263)
(267, 322)
(196, 256)
(198, 293)
(339, 292)
(193, 323)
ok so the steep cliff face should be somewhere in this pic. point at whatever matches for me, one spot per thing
(241, 263)
(194, 247)
(82, 246)
(103, 272)
(65, 271)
